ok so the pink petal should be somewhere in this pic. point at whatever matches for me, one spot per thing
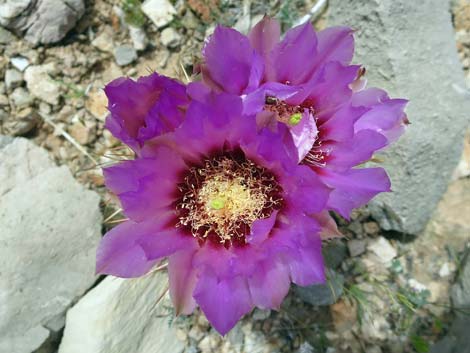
(223, 301)
(230, 61)
(304, 134)
(354, 188)
(269, 285)
(183, 278)
(119, 252)
(291, 57)
(329, 229)
(335, 44)
(265, 35)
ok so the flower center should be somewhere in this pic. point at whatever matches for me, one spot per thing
(222, 198)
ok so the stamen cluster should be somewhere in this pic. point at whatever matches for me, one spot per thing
(222, 198)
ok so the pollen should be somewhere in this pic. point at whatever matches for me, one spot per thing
(222, 198)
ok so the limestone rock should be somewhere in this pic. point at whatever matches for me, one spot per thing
(41, 21)
(41, 85)
(121, 315)
(423, 67)
(170, 38)
(50, 228)
(461, 289)
(160, 12)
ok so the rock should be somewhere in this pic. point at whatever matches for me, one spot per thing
(457, 340)
(382, 249)
(97, 104)
(461, 289)
(41, 85)
(344, 315)
(122, 315)
(13, 79)
(42, 21)
(139, 38)
(334, 253)
(170, 38)
(124, 55)
(356, 247)
(19, 62)
(22, 123)
(104, 41)
(6, 37)
(463, 168)
(47, 260)
(4, 101)
(81, 133)
(403, 61)
(21, 98)
(160, 12)
(323, 294)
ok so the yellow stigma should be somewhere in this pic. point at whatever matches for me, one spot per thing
(295, 118)
(217, 204)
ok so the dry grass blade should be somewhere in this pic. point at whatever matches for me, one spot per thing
(68, 138)
(112, 215)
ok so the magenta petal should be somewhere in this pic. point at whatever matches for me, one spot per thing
(183, 278)
(357, 150)
(354, 188)
(229, 60)
(335, 44)
(329, 229)
(260, 229)
(340, 126)
(165, 243)
(306, 264)
(386, 118)
(269, 285)
(223, 301)
(304, 134)
(119, 252)
(265, 35)
(131, 102)
(291, 57)
(145, 186)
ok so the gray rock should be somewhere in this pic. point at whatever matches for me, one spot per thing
(104, 41)
(6, 37)
(422, 66)
(41, 21)
(121, 315)
(50, 228)
(124, 55)
(334, 253)
(139, 38)
(13, 79)
(21, 98)
(160, 12)
(461, 289)
(20, 63)
(41, 85)
(323, 294)
(457, 340)
(356, 247)
(170, 38)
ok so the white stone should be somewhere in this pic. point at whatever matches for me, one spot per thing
(104, 41)
(13, 79)
(160, 12)
(139, 38)
(19, 63)
(119, 315)
(382, 248)
(170, 38)
(50, 227)
(445, 270)
(41, 85)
